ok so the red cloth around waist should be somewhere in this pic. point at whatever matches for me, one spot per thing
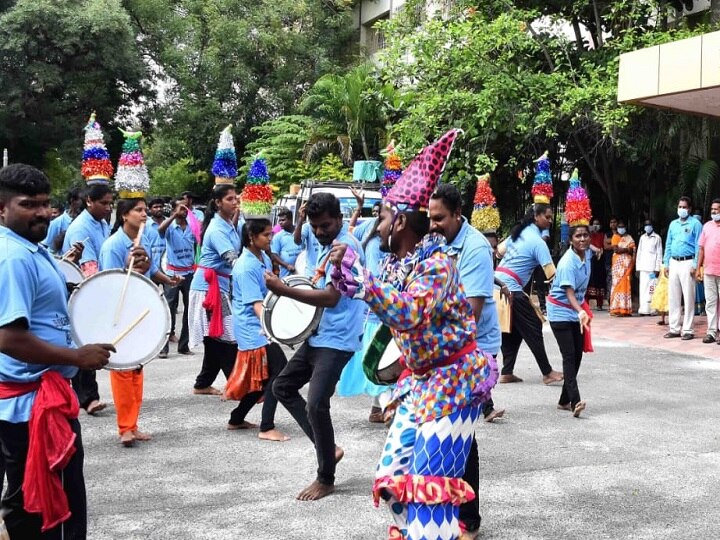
(449, 361)
(180, 268)
(510, 273)
(587, 334)
(51, 444)
(213, 301)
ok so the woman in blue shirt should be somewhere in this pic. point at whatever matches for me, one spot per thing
(116, 252)
(254, 350)
(568, 319)
(210, 317)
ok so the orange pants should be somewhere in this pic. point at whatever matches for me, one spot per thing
(127, 391)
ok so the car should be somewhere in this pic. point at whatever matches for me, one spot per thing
(341, 190)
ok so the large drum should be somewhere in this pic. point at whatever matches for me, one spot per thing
(71, 271)
(144, 312)
(286, 320)
(381, 362)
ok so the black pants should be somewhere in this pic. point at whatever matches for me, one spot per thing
(525, 326)
(570, 341)
(172, 295)
(276, 363)
(85, 385)
(218, 355)
(539, 286)
(22, 525)
(320, 367)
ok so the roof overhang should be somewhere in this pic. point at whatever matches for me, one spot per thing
(682, 76)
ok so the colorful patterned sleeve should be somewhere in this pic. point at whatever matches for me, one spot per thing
(404, 310)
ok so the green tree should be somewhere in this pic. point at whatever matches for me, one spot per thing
(60, 60)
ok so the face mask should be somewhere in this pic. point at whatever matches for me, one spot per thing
(621, 230)
(715, 217)
(648, 229)
(682, 213)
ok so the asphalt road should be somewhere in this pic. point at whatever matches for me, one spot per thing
(642, 462)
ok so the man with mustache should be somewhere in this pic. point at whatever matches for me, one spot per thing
(38, 410)
(321, 359)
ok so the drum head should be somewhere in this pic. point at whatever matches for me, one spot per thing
(289, 321)
(92, 310)
(71, 271)
(391, 355)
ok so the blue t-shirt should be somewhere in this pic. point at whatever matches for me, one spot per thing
(683, 240)
(180, 249)
(283, 245)
(85, 226)
(116, 249)
(340, 327)
(220, 237)
(374, 258)
(157, 243)
(573, 273)
(474, 261)
(33, 289)
(522, 256)
(249, 287)
(311, 246)
(57, 227)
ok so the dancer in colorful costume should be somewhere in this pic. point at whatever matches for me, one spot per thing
(437, 404)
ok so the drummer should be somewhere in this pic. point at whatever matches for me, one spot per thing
(119, 252)
(36, 350)
(210, 318)
(284, 249)
(90, 227)
(59, 226)
(321, 359)
(420, 471)
(264, 360)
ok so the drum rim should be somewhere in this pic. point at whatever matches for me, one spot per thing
(139, 365)
(269, 304)
(60, 262)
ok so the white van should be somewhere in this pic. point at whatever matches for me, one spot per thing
(340, 189)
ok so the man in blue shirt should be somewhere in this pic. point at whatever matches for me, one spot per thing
(59, 226)
(188, 199)
(305, 238)
(284, 249)
(680, 264)
(36, 352)
(180, 244)
(474, 260)
(321, 359)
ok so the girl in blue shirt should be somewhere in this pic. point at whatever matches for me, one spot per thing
(568, 319)
(116, 252)
(262, 360)
(210, 316)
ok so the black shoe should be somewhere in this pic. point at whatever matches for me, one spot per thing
(688, 337)
(708, 339)
(671, 335)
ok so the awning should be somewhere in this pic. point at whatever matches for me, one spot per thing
(682, 76)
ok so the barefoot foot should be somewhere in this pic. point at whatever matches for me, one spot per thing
(552, 377)
(95, 406)
(141, 436)
(579, 407)
(273, 435)
(566, 407)
(209, 391)
(127, 439)
(494, 415)
(315, 491)
(244, 425)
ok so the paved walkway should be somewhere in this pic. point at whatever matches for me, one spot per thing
(645, 332)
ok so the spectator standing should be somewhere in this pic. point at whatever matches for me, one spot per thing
(709, 265)
(647, 265)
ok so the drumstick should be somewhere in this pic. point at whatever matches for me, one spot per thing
(69, 251)
(130, 328)
(118, 310)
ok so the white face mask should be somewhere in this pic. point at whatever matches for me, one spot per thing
(715, 217)
(621, 230)
(648, 229)
(682, 213)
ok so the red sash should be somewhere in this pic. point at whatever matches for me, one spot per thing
(180, 268)
(213, 301)
(510, 273)
(587, 335)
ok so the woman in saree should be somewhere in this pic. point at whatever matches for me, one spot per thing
(622, 264)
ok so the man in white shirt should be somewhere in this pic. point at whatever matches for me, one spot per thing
(647, 264)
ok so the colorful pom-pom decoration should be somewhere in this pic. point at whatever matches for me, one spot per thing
(132, 180)
(542, 190)
(485, 215)
(256, 197)
(577, 204)
(96, 166)
(225, 164)
(393, 168)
